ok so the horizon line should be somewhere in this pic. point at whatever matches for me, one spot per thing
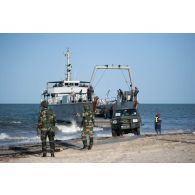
(139, 103)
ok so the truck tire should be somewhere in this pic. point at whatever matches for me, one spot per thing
(114, 134)
(118, 132)
(138, 131)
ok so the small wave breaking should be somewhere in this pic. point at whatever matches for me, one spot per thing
(4, 136)
(15, 122)
(72, 128)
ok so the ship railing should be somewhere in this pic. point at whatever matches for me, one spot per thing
(107, 101)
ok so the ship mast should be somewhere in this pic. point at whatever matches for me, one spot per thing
(68, 66)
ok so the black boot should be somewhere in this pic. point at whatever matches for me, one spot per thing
(52, 155)
(84, 147)
(90, 143)
(84, 144)
(44, 155)
(90, 147)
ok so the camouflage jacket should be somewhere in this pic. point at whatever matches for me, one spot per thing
(46, 120)
(88, 119)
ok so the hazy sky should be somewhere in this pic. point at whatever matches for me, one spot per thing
(162, 65)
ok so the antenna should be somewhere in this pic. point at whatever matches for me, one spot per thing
(68, 65)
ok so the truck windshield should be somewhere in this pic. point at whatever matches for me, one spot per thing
(126, 112)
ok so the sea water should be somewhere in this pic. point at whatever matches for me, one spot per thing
(18, 122)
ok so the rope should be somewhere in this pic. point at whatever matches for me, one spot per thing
(99, 79)
(125, 79)
(127, 83)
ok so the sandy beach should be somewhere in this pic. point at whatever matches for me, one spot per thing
(167, 148)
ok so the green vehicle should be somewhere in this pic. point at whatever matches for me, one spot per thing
(125, 121)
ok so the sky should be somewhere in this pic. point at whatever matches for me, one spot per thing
(162, 65)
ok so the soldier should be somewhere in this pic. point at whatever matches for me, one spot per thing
(136, 91)
(87, 123)
(90, 92)
(46, 125)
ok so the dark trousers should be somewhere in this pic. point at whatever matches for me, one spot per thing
(50, 135)
(158, 128)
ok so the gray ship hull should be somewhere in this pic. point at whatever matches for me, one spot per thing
(69, 113)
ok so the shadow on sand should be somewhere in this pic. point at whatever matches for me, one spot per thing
(34, 149)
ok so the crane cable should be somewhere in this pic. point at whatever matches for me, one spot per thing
(127, 83)
(125, 79)
(99, 79)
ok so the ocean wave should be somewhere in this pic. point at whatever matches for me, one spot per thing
(68, 137)
(166, 131)
(73, 128)
(15, 122)
(177, 131)
(78, 135)
(98, 129)
(5, 122)
(103, 135)
(4, 136)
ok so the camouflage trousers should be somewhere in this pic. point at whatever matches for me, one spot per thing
(50, 135)
(86, 134)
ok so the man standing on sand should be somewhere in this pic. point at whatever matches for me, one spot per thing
(46, 127)
(157, 123)
(87, 132)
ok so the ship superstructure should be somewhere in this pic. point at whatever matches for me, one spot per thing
(68, 97)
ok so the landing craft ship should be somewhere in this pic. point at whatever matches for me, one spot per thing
(68, 97)
(125, 99)
(123, 110)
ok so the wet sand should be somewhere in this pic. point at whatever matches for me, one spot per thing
(168, 148)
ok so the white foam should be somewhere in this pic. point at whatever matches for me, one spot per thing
(175, 131)
(103, 135)
(166, 131)
(29, 140)
(4, 136)
(68, 137)
(129, 135)
(73, 128)
(98, 129)
(15, 122)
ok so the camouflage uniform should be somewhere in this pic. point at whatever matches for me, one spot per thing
(46, 125)
(88, 123)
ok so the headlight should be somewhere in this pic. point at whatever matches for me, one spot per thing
(114, 122)
(135, 120)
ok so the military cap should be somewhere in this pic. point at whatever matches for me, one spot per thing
(44, 104)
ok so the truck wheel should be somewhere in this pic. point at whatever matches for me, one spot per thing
(118, 133)
(138, 131)
(114, 134)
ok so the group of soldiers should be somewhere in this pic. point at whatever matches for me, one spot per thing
(46, 128)
(47, 121)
